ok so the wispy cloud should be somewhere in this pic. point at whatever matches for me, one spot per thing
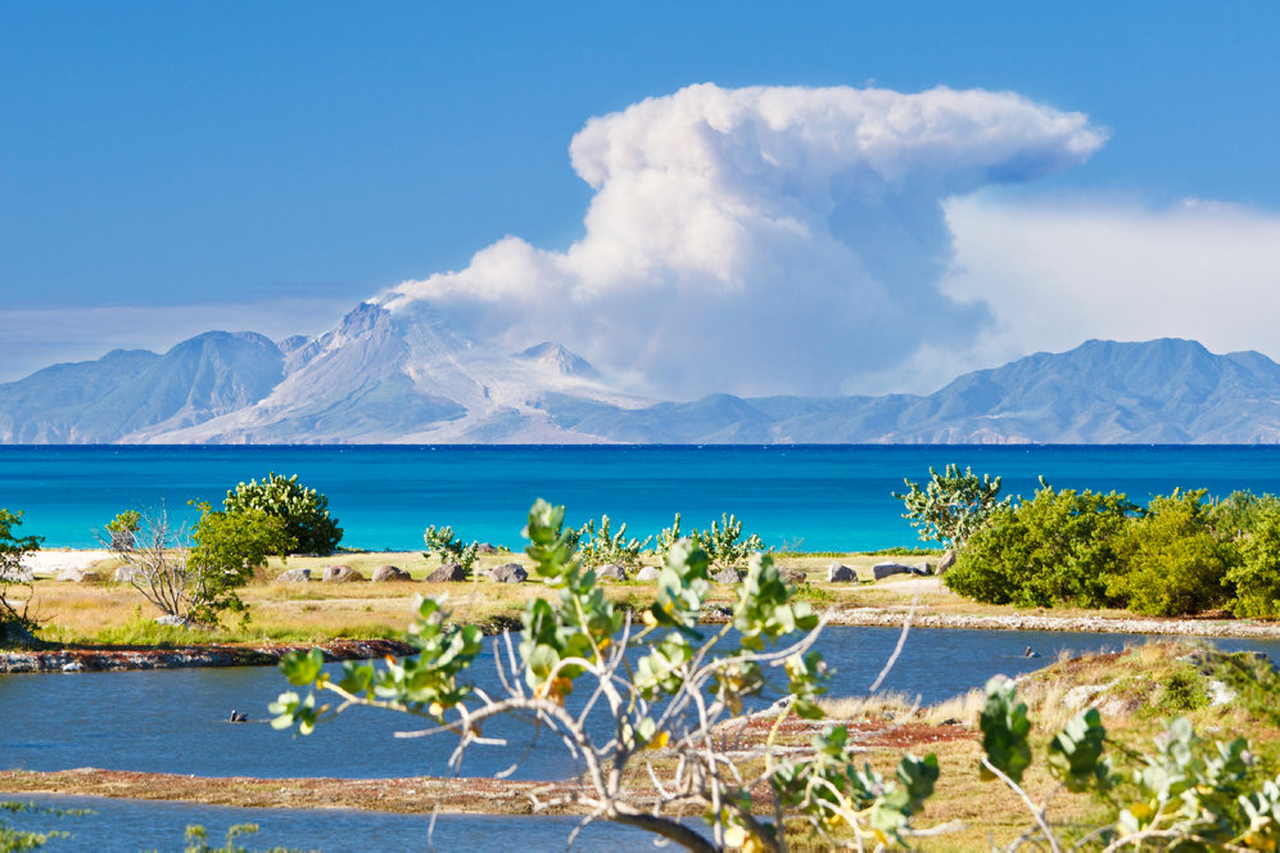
(762, 239)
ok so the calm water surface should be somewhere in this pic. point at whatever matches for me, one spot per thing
(123, 825)
(175, 721)
(816, 497)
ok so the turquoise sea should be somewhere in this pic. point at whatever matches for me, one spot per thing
(812, 497)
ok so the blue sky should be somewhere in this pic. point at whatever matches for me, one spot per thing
(168, 168)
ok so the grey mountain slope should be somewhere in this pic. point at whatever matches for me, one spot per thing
(408, 377)
(1103, 392)
(123, 392)
(412, 378)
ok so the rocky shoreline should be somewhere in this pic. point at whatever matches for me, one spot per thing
(894, 617)
(108, 658)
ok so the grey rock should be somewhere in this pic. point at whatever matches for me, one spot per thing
(172, 620)
(611, 572)
(448, 573)
(385, 574)
(727, 576)
(19, 575)
(341, 574)
(509, 573)
(840, 573)
(923, 569)
(486, 548)
(295, 576)
(794, 576)
(78, 576)
(122, 540)
(948, 560)
(127, 574)
(884, 570)
(648, 574)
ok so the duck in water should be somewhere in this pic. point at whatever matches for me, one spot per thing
(237, 717)
(1030, 653)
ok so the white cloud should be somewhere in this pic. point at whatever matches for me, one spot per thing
(763, 239)
(1057, 273)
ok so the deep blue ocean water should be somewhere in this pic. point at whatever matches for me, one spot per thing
(812, 497)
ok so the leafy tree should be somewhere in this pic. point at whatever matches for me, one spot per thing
(304, 511)
(1170, 560)
(951, 506)
(682, 685)
(1057, 548)
(447, 547)
(195, 578)
(16, 625)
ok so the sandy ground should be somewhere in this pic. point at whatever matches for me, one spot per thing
(49, 563)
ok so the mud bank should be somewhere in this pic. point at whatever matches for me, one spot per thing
(106, 658)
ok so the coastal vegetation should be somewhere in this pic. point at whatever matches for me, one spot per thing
(1181, 554)
(195, 579)
(16, 618)
(304, 511)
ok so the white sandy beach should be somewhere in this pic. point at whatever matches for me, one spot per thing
(50, 562)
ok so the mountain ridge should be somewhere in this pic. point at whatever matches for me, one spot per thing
(412, 377)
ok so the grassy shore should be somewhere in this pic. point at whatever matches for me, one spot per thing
(115, 613)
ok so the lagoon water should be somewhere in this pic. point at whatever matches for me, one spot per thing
(817, 498)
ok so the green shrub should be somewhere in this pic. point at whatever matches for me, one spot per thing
(1255, 576)
(1170, 560)
(598, 547)
(305, 511)
(16, 625)
(1053, 549)
(952, 506)
(446, 546)
(722, 542)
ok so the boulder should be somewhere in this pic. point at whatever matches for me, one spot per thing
(793, 576)
(385, 574)
(447, 573)
(648, 574)
(611, 572)
(486, 548)
(727, 576)
(840, 573)
(509, 573)
(79, 576)
(21, 574)
(924, 569)
(884, 570)
(127, 574)
(341, 574)
(172, 620)
(948, 560)
(295, 576)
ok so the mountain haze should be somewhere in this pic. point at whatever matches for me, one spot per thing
(412, 377)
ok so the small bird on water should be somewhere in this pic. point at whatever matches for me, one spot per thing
(237, 717)
(1030, 653)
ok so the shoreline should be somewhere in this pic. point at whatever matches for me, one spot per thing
(119, 658)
